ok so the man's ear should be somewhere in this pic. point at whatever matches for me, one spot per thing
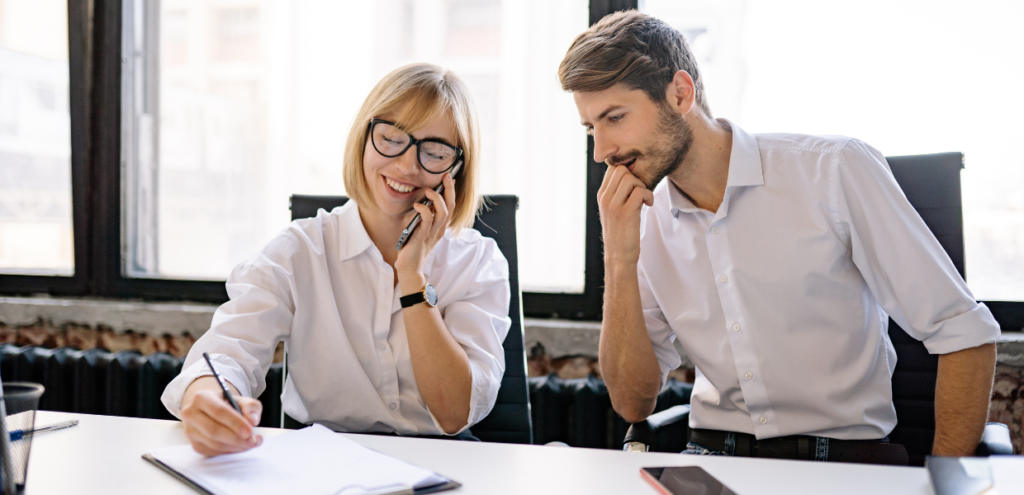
(681, 93)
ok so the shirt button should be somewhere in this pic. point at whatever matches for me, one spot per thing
(393, 406)
(749, 375)
(736, 327)
(382, 346)
(763, 419)
(714, 230)
(723, 279)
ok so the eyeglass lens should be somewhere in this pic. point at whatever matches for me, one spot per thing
(391, 141)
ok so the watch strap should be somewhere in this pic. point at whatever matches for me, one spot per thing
(412, 299)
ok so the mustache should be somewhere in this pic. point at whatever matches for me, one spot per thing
(623, 158)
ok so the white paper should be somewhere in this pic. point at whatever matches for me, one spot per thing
(313, 460)
(1008, 474)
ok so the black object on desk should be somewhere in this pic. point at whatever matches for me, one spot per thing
(684, 480)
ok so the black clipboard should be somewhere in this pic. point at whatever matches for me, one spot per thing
(450, 485)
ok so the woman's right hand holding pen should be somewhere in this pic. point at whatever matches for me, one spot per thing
(212, 425)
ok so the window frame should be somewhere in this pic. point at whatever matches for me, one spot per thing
(95, 66)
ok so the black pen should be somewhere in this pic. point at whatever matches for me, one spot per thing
(223, 386)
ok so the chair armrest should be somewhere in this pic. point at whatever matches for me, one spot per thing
(640, 435)
(995, 441)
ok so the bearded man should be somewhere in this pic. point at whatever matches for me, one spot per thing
(775, 259)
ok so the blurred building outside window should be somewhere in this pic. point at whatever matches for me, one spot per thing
(907, 77)
(239, 104)
(36, 234)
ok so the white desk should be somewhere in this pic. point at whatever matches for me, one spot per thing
(103, 455)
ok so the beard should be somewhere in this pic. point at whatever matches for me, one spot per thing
(667, 153)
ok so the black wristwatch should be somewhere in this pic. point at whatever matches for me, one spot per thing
(427, 295)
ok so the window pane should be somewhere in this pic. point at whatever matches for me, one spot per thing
(254, 99)
(35, 139)
(908, 77)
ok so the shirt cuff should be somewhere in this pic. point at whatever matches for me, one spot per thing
(481, 400)
(964, 331)
(226, 367)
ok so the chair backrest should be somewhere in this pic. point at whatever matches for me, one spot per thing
(932, 185)
(509, 421)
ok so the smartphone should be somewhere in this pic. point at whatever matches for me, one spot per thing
(684, 480)
(416, 220)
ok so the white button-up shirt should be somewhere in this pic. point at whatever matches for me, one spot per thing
(323, 288)
(782, 297)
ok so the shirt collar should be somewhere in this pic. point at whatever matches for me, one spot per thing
(352, 236)
(744, 169)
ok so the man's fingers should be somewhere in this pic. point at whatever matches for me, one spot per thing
(648, 197)
(637, 198)
(611, 183)
(627, 186)
(604, 181)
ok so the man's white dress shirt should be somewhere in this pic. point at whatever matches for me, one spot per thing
(782, 297)
(323, 288)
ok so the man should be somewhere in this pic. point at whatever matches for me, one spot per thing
(775, 259)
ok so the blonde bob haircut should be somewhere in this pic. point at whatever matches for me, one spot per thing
(413, 96)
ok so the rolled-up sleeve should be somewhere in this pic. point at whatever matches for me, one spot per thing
(479, 322)
(658, 329)
(904, 266)
(244, 331)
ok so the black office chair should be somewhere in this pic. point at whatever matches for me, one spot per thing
(509, 421)
(932, 185)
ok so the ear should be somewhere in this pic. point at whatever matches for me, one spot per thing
(681, 93)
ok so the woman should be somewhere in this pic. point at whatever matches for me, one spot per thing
(361, 356)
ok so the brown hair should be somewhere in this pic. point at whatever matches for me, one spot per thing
(630, 48)
(419, 94)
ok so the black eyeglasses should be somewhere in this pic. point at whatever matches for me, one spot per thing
(434, 155)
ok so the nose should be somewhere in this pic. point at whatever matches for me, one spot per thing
(603, 148)
(407, 163)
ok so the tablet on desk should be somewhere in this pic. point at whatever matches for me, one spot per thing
(684, 480)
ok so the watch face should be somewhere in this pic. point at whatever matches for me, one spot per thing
(430, 295)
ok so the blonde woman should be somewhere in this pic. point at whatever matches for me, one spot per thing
(362, 357)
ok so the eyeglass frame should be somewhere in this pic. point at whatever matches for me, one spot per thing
(412, 141)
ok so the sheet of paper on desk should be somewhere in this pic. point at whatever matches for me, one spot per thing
(313, 460)
(1008, 474)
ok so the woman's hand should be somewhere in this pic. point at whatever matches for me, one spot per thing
(434, 220)
(213, 426)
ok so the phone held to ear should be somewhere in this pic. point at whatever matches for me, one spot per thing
(426, 202)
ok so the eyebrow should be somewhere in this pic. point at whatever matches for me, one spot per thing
(604, 114)
(428, 138)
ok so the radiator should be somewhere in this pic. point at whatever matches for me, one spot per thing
(96, 381)
(579, 413)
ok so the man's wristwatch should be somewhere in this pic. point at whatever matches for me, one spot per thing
(427, 295)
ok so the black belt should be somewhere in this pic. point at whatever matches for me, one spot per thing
(802, 447)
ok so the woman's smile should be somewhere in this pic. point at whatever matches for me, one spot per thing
(398, 189)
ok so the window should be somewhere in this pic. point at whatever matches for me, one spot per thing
(36, 235)
(907, 77)
(238, 105)
(182, 120)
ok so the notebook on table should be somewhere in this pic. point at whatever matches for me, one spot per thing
(313, 460)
